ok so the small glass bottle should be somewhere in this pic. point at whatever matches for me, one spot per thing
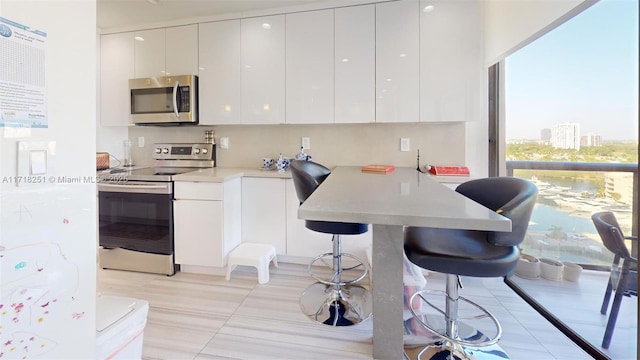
(127, 160)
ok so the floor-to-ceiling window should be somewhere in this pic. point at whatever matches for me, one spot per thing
(571, 106)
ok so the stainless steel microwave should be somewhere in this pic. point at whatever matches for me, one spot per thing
(165, 100)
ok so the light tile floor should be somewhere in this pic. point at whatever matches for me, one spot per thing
(577, 304)
(196, 316)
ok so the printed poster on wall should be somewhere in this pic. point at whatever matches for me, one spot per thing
(23, 96)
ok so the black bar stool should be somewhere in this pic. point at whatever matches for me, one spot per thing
(469, 253)
(334, 301)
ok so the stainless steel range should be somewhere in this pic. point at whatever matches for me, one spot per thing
(136, 209)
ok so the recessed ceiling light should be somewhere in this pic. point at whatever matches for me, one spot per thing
(428, 8)
(403, 55)
(139, 38)
(153, 2)
(345, 60)
(266, 26)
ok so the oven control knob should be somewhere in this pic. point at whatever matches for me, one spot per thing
(158, 150)
(204, 151)
(196, 151)
(165, 151)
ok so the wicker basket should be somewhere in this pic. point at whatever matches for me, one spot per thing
(102, 160)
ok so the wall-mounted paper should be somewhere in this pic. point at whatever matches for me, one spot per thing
(23, 96)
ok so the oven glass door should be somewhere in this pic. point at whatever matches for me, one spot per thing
(136, 221)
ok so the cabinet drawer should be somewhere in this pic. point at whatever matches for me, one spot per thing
(198, 190)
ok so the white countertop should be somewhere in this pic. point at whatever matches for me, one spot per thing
(401, 197)
(222, 174)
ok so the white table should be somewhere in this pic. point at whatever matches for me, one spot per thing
(390, 201)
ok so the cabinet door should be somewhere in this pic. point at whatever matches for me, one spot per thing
(355, 64)
(309, 67)
(181, 50)
(150, 53)
(303, 242)
(263, 70)
(116, 68)
(198, 232)
(397, 63)
(451, 67)
(263, 212)
(219, 72)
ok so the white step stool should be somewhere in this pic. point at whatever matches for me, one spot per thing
(256, 255)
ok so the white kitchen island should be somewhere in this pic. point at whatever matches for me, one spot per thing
(403, 197)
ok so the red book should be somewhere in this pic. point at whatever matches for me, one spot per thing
(379, 169)
(449, 170)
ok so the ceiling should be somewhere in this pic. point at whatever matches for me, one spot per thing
(125, 13)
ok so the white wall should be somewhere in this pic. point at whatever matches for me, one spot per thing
(48, 272)
(511, 24)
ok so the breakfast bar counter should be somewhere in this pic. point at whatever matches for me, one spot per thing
(403, 197)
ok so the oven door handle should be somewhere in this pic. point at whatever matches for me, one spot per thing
(142, 188)
(176, 111)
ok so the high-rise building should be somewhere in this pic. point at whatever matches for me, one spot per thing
(591, 140)
(545, 135)
(566, 136)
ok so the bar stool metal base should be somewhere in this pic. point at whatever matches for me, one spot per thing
(336, 305)
(442, 349)
(457, 339)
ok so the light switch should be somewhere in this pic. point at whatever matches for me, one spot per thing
(405, 144)
(224, 142)
(37, 162)
(306, 143)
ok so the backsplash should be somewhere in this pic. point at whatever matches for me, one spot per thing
(331, 145)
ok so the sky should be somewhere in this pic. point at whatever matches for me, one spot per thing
(584, 71)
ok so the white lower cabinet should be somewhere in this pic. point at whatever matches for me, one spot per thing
(263, 212)
(206, 222)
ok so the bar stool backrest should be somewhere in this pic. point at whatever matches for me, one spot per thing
(307, 176)
(511, 197)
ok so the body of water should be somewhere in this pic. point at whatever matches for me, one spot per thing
(544, 217)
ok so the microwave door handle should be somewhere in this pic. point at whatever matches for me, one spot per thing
(176, 111)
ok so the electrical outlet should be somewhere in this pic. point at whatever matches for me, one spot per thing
(140, 141)
(224, 142)
(405, 144)
(306, 143)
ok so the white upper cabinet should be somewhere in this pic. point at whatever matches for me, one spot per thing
(451, 66)
(219, 62)
(172, 51)
(309, 67)
(116, 68)
(263, 70)
(397, 61)
(355, 71)
(182, 50)
(149, 53)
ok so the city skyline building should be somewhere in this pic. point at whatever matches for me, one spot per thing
(591, 140)
(565, 136)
